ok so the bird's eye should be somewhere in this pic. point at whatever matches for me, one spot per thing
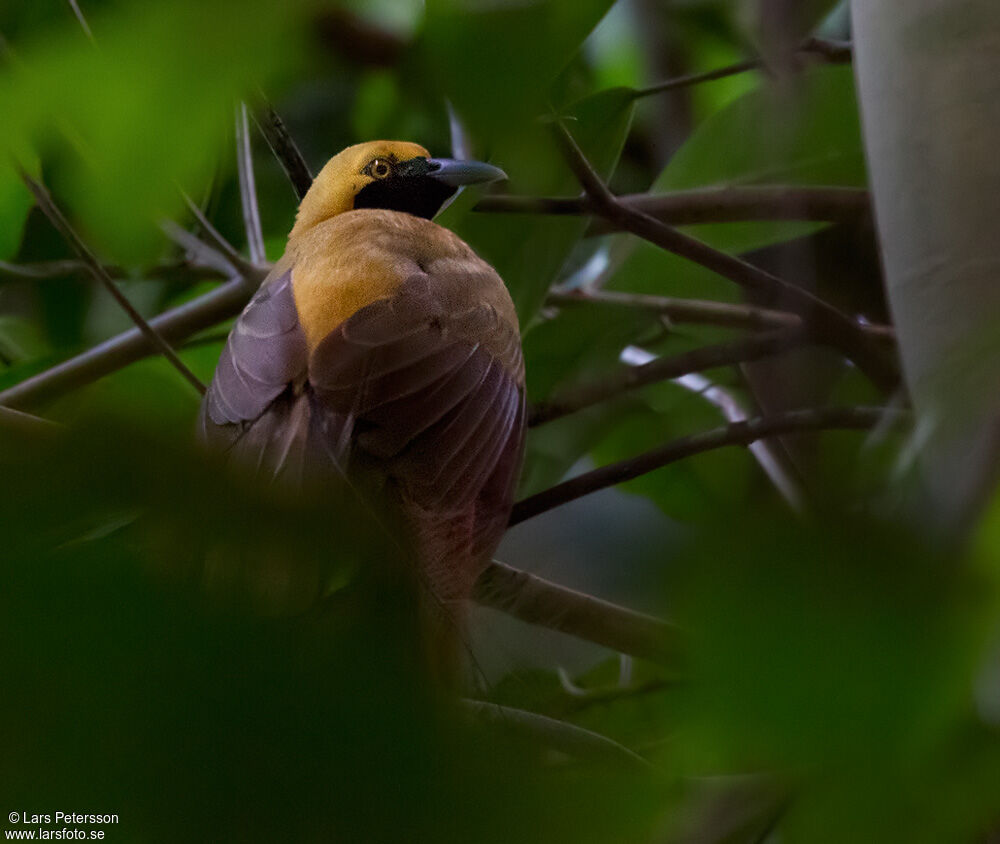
(380, 168)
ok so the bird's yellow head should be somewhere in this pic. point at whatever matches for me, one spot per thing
(396, 175)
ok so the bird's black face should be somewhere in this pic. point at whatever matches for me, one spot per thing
(419, 186)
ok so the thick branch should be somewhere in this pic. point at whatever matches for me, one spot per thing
(628, 378)
(824, 322)
(738, 433)
(538, 601)
(276, 134)
(706, 205)
(96, 269)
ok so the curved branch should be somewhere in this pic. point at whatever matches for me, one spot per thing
(737, 433)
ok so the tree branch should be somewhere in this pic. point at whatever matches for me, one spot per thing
(71, 266)
(273, 128)
(81, 20)
(231, 254)
(560, 735)
(225, 301)
(699, 311)
(537, 601)
(248, 188)
(738, 433)
(823, 321)
(16, 422)
(831, 52)
(627, 378)
(706, 205)
(61, 224)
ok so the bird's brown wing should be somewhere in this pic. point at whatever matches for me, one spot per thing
(251, 409)
(428, 396)
(436, 402)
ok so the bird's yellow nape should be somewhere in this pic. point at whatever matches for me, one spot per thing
(336, 187)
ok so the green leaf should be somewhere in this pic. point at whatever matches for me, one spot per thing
(807, 133)
(529, 250)
(495, 60)
(20, 341)
(147, 110)
(696, 489)
(15, 203)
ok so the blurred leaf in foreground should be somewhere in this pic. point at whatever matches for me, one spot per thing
(147, 109)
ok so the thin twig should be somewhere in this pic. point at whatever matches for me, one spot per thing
(52, 269)
(689, 79)
(831, 52)
(223, 246)
(707, 205)
(61, 224)
(81, 19)
(276, 134)
(628, 378)
(697, 311)
(825, 322)
(560, 735)
(223, 302)
(700, 311)
(738, 433)
(537, 601)
(248, 188)
(16, 422)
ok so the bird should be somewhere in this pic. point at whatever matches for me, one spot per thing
(382, 352)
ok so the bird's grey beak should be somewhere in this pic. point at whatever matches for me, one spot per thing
(458, 173)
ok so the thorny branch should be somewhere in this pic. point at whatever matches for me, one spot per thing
(96, 268)
(238, 263)
(177, 324)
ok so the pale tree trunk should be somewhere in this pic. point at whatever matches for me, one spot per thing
(928, 74)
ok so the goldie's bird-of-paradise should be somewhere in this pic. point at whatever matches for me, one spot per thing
(382, 347)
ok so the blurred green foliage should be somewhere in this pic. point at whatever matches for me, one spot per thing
(219, 663)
